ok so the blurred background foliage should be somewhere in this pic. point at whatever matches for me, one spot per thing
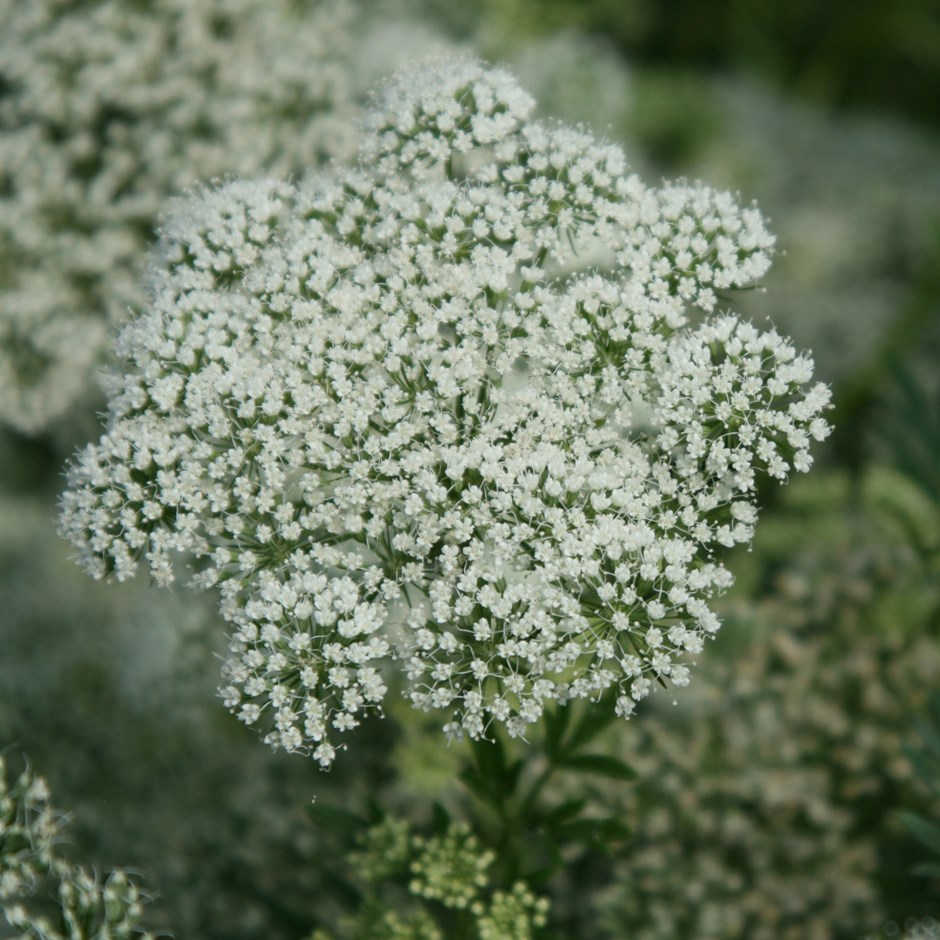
(769, 800)
(846, 55)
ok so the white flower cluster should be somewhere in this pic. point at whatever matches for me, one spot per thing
(108, 107)
(840, 287)
(88, 908)
(448, 408)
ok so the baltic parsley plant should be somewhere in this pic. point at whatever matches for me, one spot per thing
(475, 406)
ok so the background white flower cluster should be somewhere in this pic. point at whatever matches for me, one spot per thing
(447, 407)
(106, 109)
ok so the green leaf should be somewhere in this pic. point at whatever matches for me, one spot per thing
(613, 829)
(555, 864)
(337, 886)
(908, 526)
(927, 870)
(563, 812)
(494, 772)
(931, 737)
(557, 720)
(440, 818)
(594, 720)
(578, 830)
(376, 814)
(600, 764)
(913, 430)
(341, 821)
(479, 787)
(926, 767)
(513, 773)
(593, 830)
(923, 830)
(491, 760)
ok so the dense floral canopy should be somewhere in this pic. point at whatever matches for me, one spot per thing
(107, 108)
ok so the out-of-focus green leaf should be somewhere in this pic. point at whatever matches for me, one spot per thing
(341, 821)
(601, 764)
(440, 818)
(913, 431)
(926, 769)
(493, 769)
(923, 830)
(565, 811)
(555, 864)
(594, 830)
(557, 720)
(931, 737)
(926, 757)
(591, 724)
(480, 787)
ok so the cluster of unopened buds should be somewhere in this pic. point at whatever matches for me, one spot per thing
(473, 406)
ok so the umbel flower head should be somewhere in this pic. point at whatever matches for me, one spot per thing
(470, 407)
